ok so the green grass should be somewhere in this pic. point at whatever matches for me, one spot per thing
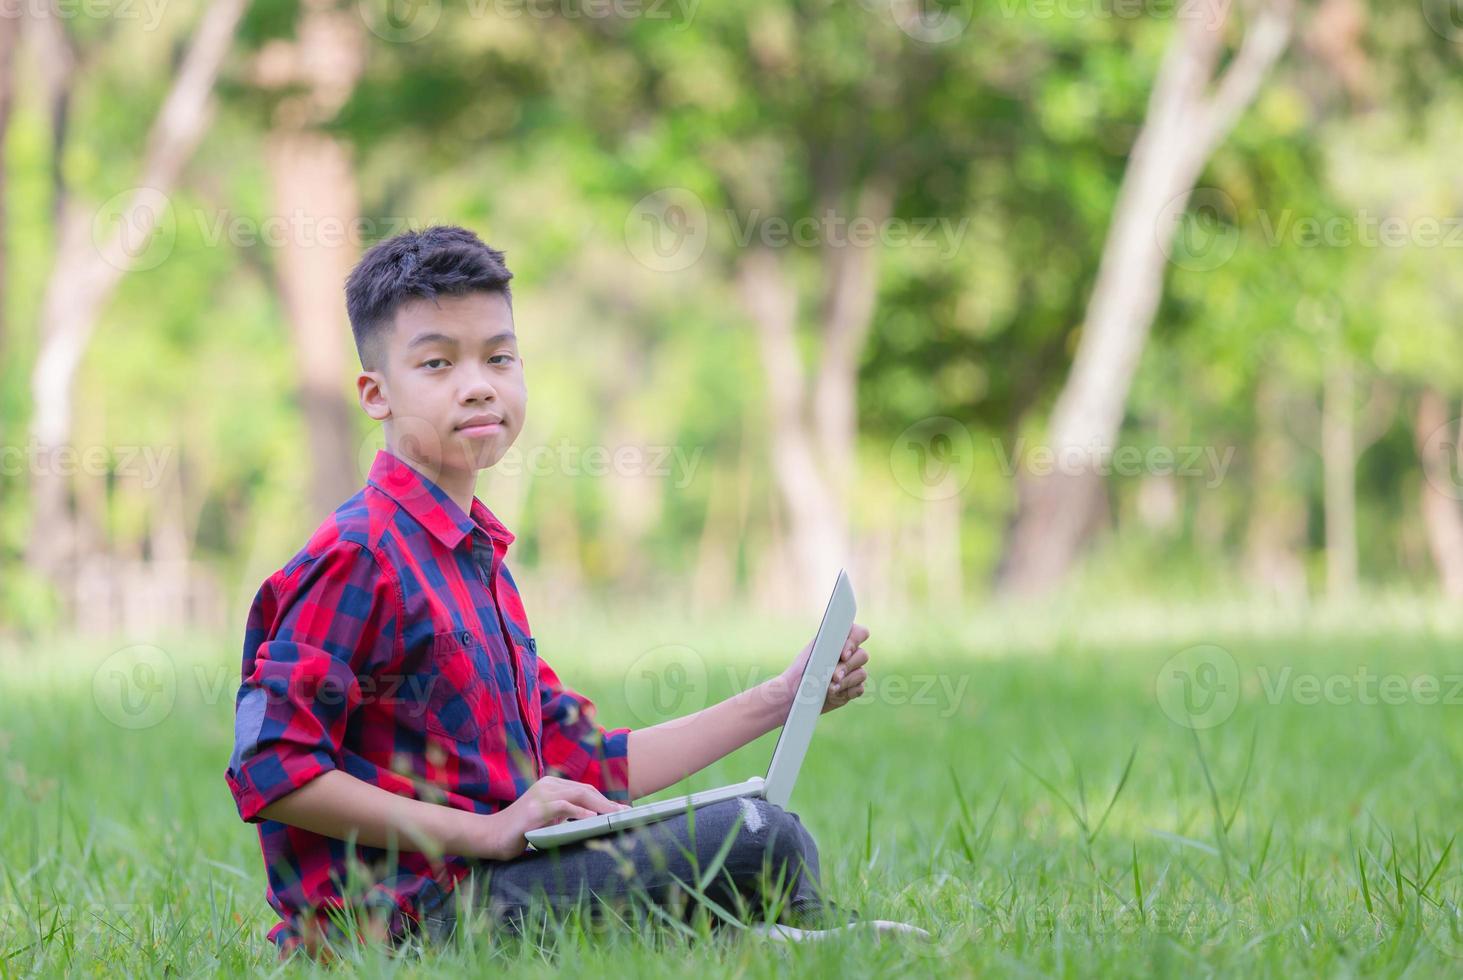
(1047, 817)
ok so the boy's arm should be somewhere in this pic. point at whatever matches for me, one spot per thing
(664, 754)
(337, 804)
(311, 637)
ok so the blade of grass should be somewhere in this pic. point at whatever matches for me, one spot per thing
(1220, 831)
(1122, 781)
(1366, 888)
(1054, 791)
(1442, 858)
(1138, 886)
(1245, 779)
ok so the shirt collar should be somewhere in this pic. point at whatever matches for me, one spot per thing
(430, 504)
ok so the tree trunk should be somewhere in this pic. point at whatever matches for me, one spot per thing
(850, 288)
(55, 56)
(1439, 440)
(814, 428)
(1338, 462)
(1182, 127)
(815, 526)
(1277, 524)
(9, 32)
(314, 188)
(85, 273)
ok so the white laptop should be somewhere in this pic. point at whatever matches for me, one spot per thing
(787, 757)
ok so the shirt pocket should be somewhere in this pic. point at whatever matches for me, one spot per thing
(458, 703)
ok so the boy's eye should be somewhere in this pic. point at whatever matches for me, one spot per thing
(506, 357)
(435, 360)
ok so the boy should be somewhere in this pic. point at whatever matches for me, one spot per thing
(395, 722)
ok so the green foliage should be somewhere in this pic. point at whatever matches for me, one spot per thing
(542, 129)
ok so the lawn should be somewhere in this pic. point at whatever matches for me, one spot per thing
(1067, 791)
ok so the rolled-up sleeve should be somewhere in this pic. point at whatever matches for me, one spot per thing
(575, 746)
(314, 630)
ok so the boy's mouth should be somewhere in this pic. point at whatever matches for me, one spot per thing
(481, 425)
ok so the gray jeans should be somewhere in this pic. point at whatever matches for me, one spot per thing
(771, 859)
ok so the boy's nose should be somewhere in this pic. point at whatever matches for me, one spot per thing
(478, 390)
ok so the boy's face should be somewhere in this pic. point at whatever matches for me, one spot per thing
(449, 387)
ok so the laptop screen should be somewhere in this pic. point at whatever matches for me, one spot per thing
(807, 703)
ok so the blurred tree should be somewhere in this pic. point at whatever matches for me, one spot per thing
(1334, 39)
(1184, 124)
(563, 134)
(9, 35)
(1438, 432)
(812, 129)
(309, 78)
(92, 255)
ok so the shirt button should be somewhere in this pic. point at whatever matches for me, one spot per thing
(466, 638)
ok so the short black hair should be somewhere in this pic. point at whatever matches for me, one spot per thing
(442, 260)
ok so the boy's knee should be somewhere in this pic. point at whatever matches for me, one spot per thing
(762, 830)
(773, 829)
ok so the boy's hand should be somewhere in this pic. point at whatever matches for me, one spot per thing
(549, 801)
(848, 676)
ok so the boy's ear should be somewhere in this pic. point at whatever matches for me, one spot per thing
(371, 388)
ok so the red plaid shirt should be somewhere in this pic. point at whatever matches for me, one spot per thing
(395, 647)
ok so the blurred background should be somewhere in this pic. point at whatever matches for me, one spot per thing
(1022, 299)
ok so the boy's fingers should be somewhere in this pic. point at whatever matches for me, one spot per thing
(594, 800)
(586, 795)
(855, 660)
(574, 813)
